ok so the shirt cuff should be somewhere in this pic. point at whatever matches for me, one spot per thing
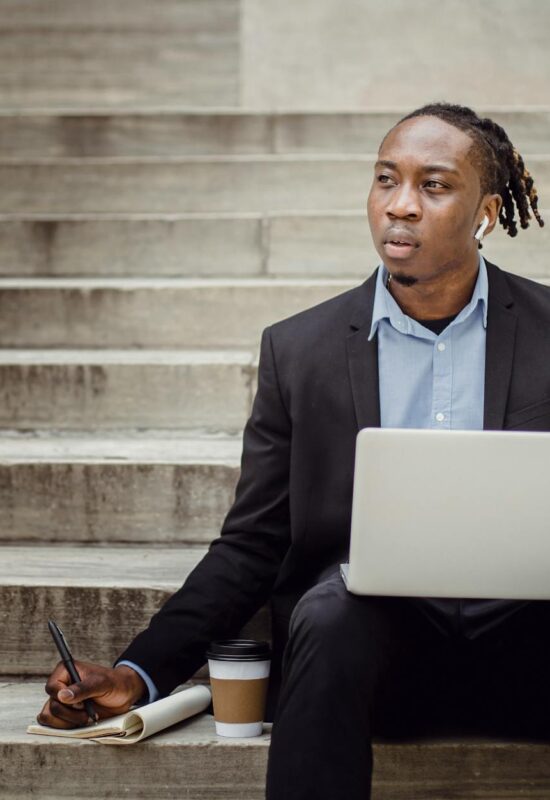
(154, 693)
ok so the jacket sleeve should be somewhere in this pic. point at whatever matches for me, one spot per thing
(235, 577)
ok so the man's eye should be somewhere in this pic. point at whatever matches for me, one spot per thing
(384, 179)
(434, 185)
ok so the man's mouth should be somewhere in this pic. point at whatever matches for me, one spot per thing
(399, 244)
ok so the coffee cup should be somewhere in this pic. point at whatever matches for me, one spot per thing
(239, 677)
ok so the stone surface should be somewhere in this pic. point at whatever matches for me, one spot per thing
(142, 132)
(135, 489)
(152, 132)
(151, 313)
(328, 244)
(168, 245)
(190, 758)
(120, 446)
(107, 389)
(341, 244)
(237, 183)
(362, 131)
(323, 54)
(116, 54)
(101, 597)
(333, 244)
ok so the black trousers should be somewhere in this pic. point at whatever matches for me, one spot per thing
(361, 666)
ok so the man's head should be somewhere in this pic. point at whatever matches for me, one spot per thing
(440, 171)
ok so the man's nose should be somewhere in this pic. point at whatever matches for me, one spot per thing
(404, 202)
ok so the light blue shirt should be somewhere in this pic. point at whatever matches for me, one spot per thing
(430, 381)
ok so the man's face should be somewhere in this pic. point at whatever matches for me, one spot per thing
(423, 201)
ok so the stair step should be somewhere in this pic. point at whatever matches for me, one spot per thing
(313, 244)
(237, 183)
(341, 244)
(138, 244)
(191, 759)
(107, 389)
(108, 132)
(118, 54)
(198, 184)
(187, 760)
(100, 596)
(160, 488)
(151, 312)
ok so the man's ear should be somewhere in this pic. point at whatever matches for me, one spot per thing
(490, 207)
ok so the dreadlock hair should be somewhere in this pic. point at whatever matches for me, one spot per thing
(501, 167)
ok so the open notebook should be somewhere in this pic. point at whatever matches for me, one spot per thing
(138, 723)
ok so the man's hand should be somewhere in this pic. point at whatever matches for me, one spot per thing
(113, 691)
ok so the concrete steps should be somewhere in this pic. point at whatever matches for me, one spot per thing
(157, 489)
(331, 243)
(142, 251)
(154, 313)
(149, 230)
(133, 244)
(119, 54)
(152, 131)
(101, 596)
(200, 183)
(197, 184)
(108, 389)
(189, 758)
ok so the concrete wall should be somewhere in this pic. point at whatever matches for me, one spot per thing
(260, 54)
(341, 54)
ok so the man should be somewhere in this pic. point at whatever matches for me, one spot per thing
(436, 338)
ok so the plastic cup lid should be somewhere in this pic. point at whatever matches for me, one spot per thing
(239, 650)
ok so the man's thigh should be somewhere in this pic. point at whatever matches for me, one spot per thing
(421, 690)
(497, 683)
(505, 675)
(417, 673)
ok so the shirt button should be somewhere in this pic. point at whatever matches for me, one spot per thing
(441, 347)
(440, 417)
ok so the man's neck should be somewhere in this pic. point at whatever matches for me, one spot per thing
(437, 299)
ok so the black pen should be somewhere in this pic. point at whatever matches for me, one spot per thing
(67, 659)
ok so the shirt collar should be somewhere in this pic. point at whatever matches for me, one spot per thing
(385, 307)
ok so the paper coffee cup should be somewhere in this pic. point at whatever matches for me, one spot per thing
(239, 676)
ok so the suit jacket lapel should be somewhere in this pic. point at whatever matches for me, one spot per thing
(499, 351)
(363, 361)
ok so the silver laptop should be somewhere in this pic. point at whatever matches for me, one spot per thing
(451, 514)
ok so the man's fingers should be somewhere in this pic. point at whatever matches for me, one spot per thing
(112, 691)
(77, 717)
(56, 715)
(59, 679)
(93, 685)
(69, 694)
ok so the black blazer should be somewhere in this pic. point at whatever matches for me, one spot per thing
(290, 522)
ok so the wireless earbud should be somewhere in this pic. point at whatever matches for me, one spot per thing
(482, 228)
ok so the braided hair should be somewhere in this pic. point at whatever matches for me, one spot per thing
(501, 167)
